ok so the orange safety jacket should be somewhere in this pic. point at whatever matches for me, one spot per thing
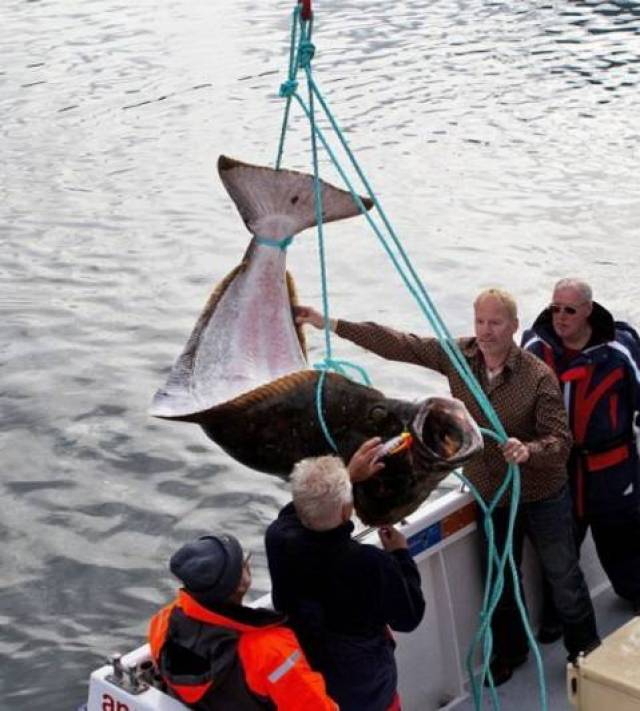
(237, 658)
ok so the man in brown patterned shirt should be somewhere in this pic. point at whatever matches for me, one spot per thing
(526, 397)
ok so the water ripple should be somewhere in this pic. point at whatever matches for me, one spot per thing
(501, 138)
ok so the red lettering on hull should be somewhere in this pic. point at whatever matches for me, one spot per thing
(111, 704)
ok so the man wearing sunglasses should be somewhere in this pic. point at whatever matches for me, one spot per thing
(597, 361)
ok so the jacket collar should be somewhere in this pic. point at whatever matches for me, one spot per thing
(601, 322)
(238, 617)
(334, 536)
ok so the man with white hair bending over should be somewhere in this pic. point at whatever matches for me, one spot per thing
(341, 596)
(597, 361)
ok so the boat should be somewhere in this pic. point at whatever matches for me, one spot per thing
(442, 536)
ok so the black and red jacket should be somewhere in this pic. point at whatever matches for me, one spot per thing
(601, 390)
(233, 657)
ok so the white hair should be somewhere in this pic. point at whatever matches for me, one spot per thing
(577, 285)
(321, 487)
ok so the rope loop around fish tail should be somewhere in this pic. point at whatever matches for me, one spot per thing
(281, 244)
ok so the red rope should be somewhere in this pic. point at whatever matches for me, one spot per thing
(306, 9)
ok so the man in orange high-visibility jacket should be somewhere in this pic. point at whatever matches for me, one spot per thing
(215, 653)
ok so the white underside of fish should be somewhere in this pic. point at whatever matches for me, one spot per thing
(251, 338)
(248, 340)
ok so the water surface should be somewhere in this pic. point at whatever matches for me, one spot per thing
(501, 138)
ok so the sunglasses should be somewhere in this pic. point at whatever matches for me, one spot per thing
(558, 309)
(246, 559)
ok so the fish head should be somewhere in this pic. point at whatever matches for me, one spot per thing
(443, 436)
(444, 433)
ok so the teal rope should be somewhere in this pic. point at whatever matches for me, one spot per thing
(420, 294)
(483, 632)
(417, 289)
(323, 424)
(340, 366)
(493, 591)
(289, 87)
(306, 51)
(277, 243)
(301, 57)
(449, 344)
(440, 328)
(307, 46)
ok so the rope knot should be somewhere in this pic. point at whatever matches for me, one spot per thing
(288, 88)
(306, 52)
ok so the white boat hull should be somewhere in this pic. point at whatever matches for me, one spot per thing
(443, 539)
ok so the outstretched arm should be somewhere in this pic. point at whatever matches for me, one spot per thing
(381, 340)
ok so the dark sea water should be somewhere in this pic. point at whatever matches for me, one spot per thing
(503, 141)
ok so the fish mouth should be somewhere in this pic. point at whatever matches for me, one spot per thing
(446, 435)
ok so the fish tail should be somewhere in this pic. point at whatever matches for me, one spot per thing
(280, 203)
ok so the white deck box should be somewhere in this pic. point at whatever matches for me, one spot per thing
(608, 679)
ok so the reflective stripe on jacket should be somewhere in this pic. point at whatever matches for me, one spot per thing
(236, 658)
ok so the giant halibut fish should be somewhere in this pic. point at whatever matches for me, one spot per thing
(243, 375)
